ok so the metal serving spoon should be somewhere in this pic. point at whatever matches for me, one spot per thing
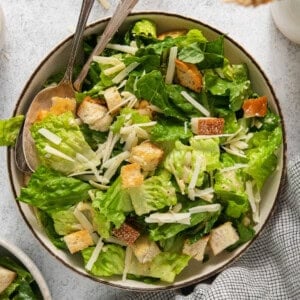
(25, 152)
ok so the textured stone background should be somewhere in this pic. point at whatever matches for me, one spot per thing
(34, 27)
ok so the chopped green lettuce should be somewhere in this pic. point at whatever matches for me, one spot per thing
(128, 113)
(75, 153)
(237, 88)
(110, 260)
(166, 130)
(151, 87)
(9, 130)
(229, 186)
(261, 155)
(23, 286)
(51, 191)
(210, 151)
(114, 204)
(48, 225)
(181, 163)
(155, 193)
(165, 266)
(144, 28)
(65, 222)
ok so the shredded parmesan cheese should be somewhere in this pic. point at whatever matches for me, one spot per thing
(196, 104)
(124, 72)
(58, 153)
(128, 256)
(114, 69)
(94, 255)
(171, 65)
(196, 172)
(205, 208)
(52, 137)
(234, 167)
(162, 218)
(249, 191)
(104, 60)
(122, 48)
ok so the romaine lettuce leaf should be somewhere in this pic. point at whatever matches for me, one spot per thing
(135, 117)
(51, 191)
(9, 130)
(93, 137)
(166, 130)
(197, 221)
(113, 204)
(155, 193)
(229, 186)
(175, 97)
(237, 89)
(65, 222)
(164, 266)
(151, 87)
(79, 155)
(110, 260)
(210, 150)
(261, 155)
(181, 163)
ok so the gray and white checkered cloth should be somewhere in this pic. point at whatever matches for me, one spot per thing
(270, 269)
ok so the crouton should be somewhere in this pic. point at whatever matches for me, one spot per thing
(197, 249)
(41, 115)
(78, 240)
(222, 237)
(131, 176)
(126, 233)
(207, 126)
(147, 155)
(255, 107)
(62, 105)
(172, 34)
(113, 99)
(94, 114)
(6, 278)
(144, 249)
(188, 75)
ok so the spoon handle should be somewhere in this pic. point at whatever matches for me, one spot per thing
(81, 24)
(122, 11)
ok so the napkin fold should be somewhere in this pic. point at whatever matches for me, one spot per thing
(270, 268)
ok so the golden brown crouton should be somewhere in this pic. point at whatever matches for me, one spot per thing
(62, 105)
(126, 233)
(78, 240)
(207, 126)
(6, 278)
(188, 75)
(94, 114)
(147, 155)
(222, 237)
(172, 34)
(113, 99)
(145, 249)
(41, 115)
(131, 176)
(255, 107)
(196, 249)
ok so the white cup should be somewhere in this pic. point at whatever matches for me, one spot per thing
(286, 15)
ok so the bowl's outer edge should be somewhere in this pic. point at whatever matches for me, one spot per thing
(10, 157)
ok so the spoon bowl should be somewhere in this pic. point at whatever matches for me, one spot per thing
(26, 155)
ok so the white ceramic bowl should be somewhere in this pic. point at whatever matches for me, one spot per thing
(195, 272)
(8, 249)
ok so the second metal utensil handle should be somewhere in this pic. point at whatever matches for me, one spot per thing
(122, 11)
(81, 24)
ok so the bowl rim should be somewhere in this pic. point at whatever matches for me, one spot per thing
(29, 265)
(215, 272)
